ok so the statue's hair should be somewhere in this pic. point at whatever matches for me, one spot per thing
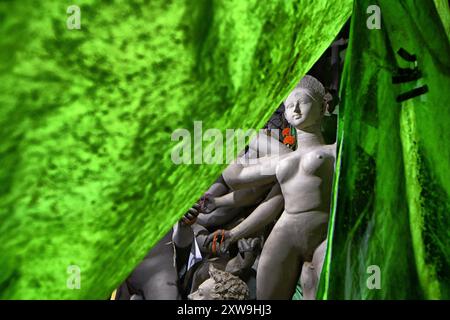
(313, 86)
(227, 286)
(317, 91)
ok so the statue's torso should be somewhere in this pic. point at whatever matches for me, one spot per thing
(306, 179)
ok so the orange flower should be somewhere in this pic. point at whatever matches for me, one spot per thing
(286, 132)
(290, 140)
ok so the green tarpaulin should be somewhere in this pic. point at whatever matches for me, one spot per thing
(86, 176)
(392, 205)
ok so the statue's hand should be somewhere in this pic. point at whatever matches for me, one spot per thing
(210, 205)
(249, 245)
(219, 241)
(190, 217)
(248, 251)
(207, 203)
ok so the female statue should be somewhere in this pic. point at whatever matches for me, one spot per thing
(305, 178)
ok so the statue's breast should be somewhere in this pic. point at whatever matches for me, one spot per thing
(312, 161)
(317, 163)
(287, 168)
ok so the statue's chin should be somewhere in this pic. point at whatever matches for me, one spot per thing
(297, 123)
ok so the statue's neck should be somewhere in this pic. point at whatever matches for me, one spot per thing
(309, 137)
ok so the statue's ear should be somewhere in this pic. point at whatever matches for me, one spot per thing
(327, 104)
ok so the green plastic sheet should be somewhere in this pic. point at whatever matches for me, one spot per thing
(392, 205)
(86, 176)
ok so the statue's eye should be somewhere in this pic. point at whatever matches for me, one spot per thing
(290, 106)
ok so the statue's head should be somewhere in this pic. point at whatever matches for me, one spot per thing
(305, 105)
(221, 285)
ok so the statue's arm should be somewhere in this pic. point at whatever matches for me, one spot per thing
(265, 213)
(182, 235)
(225, 208)
(241, 198)
(239, 175)
(217, 217)
(218, 188)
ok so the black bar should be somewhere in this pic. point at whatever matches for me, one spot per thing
(220, 309)
(406, 55)
(412, 94)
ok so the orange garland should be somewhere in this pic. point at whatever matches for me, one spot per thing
(290, 140)
(286, 132)
(214, 243)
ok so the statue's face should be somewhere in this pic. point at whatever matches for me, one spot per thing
(204, 291)
(302, 111)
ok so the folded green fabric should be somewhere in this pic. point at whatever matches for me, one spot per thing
(392, 205)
